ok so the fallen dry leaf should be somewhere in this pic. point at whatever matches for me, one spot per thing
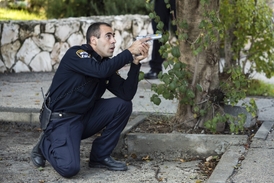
(209, 158)
(146, 158)
(134, 156)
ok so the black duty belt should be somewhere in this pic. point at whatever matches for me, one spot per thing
(58, 115)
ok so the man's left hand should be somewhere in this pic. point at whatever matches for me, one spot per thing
(144, 53)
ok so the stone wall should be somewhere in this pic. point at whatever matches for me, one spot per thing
(38, 46)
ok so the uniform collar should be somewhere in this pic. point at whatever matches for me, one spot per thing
(90, 50)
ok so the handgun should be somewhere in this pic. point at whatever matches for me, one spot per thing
(152, 36)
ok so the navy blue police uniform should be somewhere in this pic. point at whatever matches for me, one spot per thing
(75, 97)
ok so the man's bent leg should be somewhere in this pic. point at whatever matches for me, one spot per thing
(61, 145)
(112, 115)
(36, 155)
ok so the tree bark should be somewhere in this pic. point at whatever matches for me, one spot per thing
(204, 66)
(228, 42)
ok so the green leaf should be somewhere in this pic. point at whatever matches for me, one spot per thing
(202, 24)
(184, 24)
(166, 78)
(207, 124)
(175, 51)
(165, 64)
(156, 100)
(151, 15)
(160, 25)
(196, 109)
(190, 94)
(164, 39)
(141, 75)
(173, 22)
(177, 66)
(199, 87)
(166, 95)
(172, 86)
(182, 88)
(41, 169)
(203, 112)
(161, 88)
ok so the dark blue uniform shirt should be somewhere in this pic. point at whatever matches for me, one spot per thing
(82, 78)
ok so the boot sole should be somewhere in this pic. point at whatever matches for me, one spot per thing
(107, 167)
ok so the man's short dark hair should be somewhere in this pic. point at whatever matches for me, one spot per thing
(94, 30)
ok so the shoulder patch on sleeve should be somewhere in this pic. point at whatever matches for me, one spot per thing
(82, 54)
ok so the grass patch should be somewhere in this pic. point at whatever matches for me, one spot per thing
(260, 88)
(11, 14)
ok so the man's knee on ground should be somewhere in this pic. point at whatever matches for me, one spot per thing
(69, 172)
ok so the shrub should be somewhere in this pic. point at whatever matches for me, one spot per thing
(72, 8)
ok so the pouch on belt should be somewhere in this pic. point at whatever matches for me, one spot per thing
(45, 112)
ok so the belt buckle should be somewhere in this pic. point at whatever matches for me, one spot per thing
(60, 115)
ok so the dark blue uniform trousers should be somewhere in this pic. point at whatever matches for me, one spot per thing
(164, 14)
(61, 143)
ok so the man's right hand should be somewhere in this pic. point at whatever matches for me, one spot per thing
(139, 46)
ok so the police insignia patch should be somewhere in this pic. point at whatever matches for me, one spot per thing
(82, 54)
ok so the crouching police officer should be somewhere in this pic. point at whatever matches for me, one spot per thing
(74, 110)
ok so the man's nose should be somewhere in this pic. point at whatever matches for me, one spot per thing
(113, 40)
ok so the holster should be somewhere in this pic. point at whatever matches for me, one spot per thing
(45, 114)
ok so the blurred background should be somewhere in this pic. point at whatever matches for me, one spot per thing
(55, 9)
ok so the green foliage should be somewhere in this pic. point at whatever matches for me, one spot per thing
(209, 31)
(9, 14)
(155, 99)
(212, 123)
(121, 7)
(260, 88)
(173, 85)
(234, 86)
(78, 8)
(253, 25)
(73, 8)
(18, 5)
(177, 81)
(37, 6)
(251, 108)
(67, 8)
(235, 89)
(141, 75)
(236, 123)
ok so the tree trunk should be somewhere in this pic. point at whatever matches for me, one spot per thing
(204, 67)
(228, 42)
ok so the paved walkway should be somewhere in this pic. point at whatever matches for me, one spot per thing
(21, 99)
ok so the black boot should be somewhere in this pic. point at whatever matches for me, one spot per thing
(152, 74)
(108, 163)
(36, 154)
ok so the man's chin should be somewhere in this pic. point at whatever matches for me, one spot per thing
(110, 54)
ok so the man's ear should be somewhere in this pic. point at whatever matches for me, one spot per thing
(93, 40)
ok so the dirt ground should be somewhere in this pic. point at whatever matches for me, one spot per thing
(17, 140)
(167, 124)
